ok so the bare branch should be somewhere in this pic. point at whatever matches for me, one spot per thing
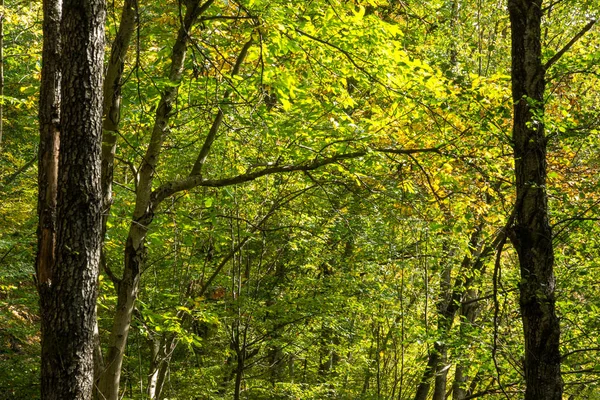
(245, 240)
(491, 390)
(344, 52)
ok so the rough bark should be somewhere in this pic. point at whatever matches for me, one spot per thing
(67, 280)
(532, 234)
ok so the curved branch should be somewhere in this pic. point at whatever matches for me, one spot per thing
(191, 182)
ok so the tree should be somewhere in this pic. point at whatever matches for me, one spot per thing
(309, 197)
(532, 235)
(70, 194)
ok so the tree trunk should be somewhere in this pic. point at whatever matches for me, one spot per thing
(69, 255)
(532, 234)
(135, 252)
(239, 374)
(112, 101)
(468, 314)
(111, 112)
(127, 289)
(155, 344)
(162, 350)
(49, 119)
(441, 373)
(446, 310)
(435, 359)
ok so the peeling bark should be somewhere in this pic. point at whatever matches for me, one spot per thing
(49, 119)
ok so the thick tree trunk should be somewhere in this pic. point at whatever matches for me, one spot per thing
(532, 234)
(67, 270)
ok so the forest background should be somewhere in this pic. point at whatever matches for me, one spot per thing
(311, 200)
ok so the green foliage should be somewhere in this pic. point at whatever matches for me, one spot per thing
(323, 284)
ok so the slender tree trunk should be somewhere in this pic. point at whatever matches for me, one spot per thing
(162, 349)
(532, 234)
(135, 252)
(441, 374)
(468, 314)
(112, 101)
(239, 374)
(111, 111)
(127, 289)
(435, 363)
(69, 255)
(154, 367)
(161, 378)
(425, 384)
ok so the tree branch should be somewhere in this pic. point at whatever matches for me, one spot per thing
(562, 51)
(243, 242)
(409, 151)
(489, 391)
(192, 181)
(212, 133)
(579, 351)
(11, 178)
